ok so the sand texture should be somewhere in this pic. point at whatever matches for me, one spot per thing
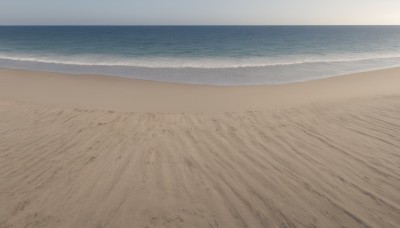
(127, 95)
(328, 162)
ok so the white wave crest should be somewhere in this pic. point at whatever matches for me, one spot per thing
(208, 63)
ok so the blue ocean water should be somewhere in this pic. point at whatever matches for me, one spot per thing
(215, 55)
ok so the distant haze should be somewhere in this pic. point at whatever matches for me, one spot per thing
(199, 12)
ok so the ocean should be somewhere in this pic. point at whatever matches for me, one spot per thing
(212, 55)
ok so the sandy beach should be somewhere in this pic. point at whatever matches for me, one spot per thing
(95, 151)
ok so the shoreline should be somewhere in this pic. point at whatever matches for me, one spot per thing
(242, 77)
(133, 95)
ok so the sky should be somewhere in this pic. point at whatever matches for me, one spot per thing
(199, 12)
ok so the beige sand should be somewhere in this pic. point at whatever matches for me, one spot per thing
(118, 94)
(90, 151)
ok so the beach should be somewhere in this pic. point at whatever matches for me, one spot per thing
(98, 151)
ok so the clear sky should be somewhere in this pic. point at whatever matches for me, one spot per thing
(198, 12)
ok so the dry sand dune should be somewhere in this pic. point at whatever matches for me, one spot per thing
(325, 164)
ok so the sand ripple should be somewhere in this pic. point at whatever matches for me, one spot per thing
(321, 165)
